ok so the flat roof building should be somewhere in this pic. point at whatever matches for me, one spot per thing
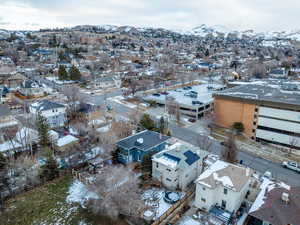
(193, 101)
(268, 113)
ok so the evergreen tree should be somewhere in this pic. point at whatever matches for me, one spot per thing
(147, 123)
(43, 129)
(74, 73)
(206, 53)
(62, 73)
(49, 170)
(162, 125)
(3, 161)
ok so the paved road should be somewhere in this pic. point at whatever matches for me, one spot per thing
(250, 160)
(257, 163)
(191, 136)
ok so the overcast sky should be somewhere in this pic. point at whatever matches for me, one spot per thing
(261, 15)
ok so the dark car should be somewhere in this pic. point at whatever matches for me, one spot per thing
(192, 120)
(197, 103)
(224, 143)
(156, 94)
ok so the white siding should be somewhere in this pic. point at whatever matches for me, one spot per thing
(215, 196)
(279, 113)
(279, 124)
(273, 136)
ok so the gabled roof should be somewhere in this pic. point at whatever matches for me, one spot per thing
(4, 110)
(275, 210)
(226, 174)
(17, 76)
(143, 141)
(46, 105)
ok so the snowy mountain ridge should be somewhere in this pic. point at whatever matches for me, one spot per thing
(201, 31)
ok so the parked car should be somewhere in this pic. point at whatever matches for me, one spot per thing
(292, 166)
(268, 174)
(156, 94)
(192, 120)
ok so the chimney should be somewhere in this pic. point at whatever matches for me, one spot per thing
(285, 197)
(247, 172)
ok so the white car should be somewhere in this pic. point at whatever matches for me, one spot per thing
(292, 166)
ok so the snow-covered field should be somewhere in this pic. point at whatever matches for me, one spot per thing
(78, 193)
(188, 221)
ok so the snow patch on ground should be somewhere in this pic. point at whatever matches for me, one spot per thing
(189, 221)
(78, 193)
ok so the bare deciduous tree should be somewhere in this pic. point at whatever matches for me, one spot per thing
(230, 152)
(118, 192)
(204, 143)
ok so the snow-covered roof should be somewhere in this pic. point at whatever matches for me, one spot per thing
(179, 155)
(66, 140)
(266, 186)
(183, 97)
(26, 134)
(226, 174)
(9, 145)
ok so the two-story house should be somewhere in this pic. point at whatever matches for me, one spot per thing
(136, 146)
(178, 166)
(54, 112)
(223, 185)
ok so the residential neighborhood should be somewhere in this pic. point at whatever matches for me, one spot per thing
(130, 125)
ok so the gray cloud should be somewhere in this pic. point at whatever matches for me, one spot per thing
(235, 14)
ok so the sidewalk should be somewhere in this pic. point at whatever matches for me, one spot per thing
(264, 151)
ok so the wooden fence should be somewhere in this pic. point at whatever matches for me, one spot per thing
(182, 202)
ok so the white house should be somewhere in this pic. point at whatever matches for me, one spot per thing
(55, 113)
(177, 166)
(223, 185)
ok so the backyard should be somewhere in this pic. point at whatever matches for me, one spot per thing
(47, 205)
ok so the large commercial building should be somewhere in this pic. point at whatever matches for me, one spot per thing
(194, 101)
(268, 113)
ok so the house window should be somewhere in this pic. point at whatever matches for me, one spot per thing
(203, 199)
(254, 123)
(203, 188)
(256, 109)
(168, 179)
(186, 175)
(156, 165)
(169, 170)
(223, 205)
(225, 191)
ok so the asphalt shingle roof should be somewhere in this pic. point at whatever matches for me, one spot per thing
(278, 212)
(149, 139)
(46, 105)
(4, 110)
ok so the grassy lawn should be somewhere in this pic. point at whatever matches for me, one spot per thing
(46, 205)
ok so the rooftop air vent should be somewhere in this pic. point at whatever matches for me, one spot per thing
(140, 141)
